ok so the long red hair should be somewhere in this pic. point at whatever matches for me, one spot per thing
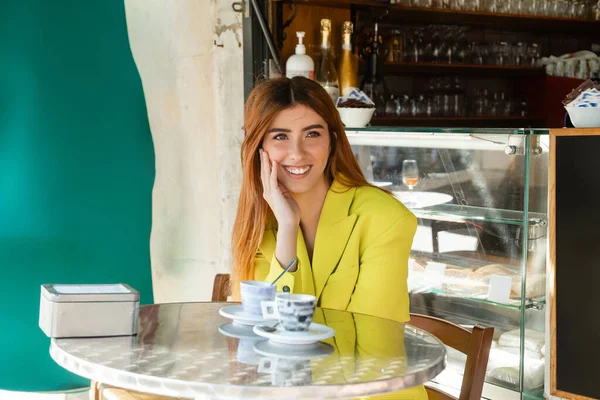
(267, 99)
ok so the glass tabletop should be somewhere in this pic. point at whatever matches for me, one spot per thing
(189, 350)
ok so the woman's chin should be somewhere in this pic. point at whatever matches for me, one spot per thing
(298, 187)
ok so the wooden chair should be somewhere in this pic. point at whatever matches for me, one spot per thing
(221, 287)
(476, 345)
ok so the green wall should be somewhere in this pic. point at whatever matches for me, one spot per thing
(76, 170)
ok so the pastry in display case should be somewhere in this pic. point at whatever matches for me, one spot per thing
(478, 256)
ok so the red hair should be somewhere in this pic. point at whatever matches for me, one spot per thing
(267, 99)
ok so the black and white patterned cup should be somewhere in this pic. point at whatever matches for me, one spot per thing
(294, 311)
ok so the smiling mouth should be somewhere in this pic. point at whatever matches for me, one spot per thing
(298, 171)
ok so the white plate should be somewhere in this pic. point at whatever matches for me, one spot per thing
(422, 199)
(307, 352)
(239, 316)
(238, 331)
(315, 333)
(380, 183)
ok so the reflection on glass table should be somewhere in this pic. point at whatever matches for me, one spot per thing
(186, 350)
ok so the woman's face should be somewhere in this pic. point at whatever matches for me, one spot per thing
(298, 139)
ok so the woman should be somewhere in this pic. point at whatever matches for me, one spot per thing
(304, 196)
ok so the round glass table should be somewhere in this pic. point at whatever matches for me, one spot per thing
(189, 350)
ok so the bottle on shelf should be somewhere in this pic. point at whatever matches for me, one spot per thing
(373, 84)
(326, 74)
(348, 68)
(300, 64)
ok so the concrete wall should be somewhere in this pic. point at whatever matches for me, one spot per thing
(189, 56)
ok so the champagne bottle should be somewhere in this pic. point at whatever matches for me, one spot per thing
(348, 62)
(326, 75)
(373, 84)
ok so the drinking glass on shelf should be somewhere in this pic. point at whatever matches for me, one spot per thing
(410, 173)
(391, 106)
(533, 53)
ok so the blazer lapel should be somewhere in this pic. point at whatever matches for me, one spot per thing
(333, 232)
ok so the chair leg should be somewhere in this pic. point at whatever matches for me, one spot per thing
(94, 391)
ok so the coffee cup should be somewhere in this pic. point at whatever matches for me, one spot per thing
(286, 372)
(253, 293)
(294, 311)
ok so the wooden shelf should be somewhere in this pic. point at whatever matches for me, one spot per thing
(507, 22)
(500, 71)
(463, 122)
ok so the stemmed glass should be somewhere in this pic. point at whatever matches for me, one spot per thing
(410, 177)
(410, 173)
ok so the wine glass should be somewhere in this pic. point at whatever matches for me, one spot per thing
(410, 173)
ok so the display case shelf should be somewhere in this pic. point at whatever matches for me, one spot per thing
(441, 138)
(461, 213)
(534, 303)
(433, 69)
(509, 22)
(497, 121)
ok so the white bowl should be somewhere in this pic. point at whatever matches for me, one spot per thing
(356, 117)
(584, 117)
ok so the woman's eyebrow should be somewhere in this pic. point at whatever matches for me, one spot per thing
(313, 126)
(308, 128)
(278, 130)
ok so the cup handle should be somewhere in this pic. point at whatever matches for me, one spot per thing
(269, 310)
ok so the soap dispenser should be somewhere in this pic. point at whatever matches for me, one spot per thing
(300, 64)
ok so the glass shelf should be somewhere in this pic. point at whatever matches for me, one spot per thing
(463, 132)
(496, 139)
(459, 213)
(513, 304)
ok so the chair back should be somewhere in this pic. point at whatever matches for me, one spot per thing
(221, 287)
(475, 344)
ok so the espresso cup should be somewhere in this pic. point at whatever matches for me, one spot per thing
(286, 372)
(253, 293)
(294, 311)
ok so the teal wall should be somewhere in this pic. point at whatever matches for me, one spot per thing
(76, 170)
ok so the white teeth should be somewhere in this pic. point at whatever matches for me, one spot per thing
(297, 171)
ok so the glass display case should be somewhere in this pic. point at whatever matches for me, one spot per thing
(478, 256)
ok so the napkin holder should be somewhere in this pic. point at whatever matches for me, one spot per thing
(89, 310)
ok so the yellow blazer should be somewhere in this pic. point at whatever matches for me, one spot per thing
(360, 258)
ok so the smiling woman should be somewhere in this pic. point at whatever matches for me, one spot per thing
(304, 196)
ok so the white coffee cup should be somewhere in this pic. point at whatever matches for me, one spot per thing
(253, 293)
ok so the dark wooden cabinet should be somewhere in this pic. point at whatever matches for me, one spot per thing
(543, 94)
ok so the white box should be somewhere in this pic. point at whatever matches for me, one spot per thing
(89, 310)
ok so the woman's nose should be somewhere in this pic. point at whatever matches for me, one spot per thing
(297, 150)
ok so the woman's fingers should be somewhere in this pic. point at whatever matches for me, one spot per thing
(262, 166)
(265, 170)
(273, 176)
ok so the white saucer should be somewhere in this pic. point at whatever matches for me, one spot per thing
(422, 199)
(380, 183)
(307, 352)
(238, 331)
(315, 333)
(239, 316)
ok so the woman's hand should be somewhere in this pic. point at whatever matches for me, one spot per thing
(280, 200)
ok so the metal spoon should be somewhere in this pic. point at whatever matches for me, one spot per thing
(286, 269)
(268, 328)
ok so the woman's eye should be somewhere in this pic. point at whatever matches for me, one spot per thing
(280, 136)
(313, 134)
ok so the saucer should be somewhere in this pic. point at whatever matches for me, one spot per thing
(239, 316)
(238, 331)
(315, 333)
(381, 183)
(309, 352)
(422, 199)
